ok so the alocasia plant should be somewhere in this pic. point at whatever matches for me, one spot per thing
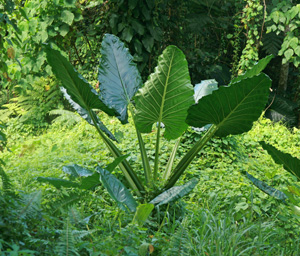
(165, 100)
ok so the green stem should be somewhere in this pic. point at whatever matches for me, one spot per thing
(168, 170)
(190, 155)
(157, 151)
(145, 160)
(126, 168)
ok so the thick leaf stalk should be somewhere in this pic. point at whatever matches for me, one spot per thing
(190, 155)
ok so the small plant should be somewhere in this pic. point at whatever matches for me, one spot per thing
(164, 104)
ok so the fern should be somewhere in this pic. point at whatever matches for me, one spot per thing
(65, 117)
(179, 244)
(30, 204)
(6, 185)
(272, 43)
(66, 243)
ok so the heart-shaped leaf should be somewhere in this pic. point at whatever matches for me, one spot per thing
(118, 76)
(166, 95)
(232, 109)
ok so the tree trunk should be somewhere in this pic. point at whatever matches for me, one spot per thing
(283, 78)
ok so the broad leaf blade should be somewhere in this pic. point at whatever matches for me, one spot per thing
(58, 183)
(266, 188)
(76, 171)
(166, 95)
(232, 109)
(204, 88)
(77, 87)
(255, 70)
(118, 76)
(174, 193)
(86, 116)
(117, 190)
(290, 163)
(90, 182)
(142, 213)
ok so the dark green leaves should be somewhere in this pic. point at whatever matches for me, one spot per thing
(117, 190)
(232, 109)
(255, 70)
(174, 193)
(166, 95)
(77, 87)
(118, 76)
(290, 163)
(267, 189)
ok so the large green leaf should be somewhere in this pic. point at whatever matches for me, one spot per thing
(77, 87)
(290, 163)
(90, 182)
(174, 193)
(118, 76)
(86, 115)
(267, 189)
(76, 171)
(166, 95)
(232, 109)
(255, 70)
(117, 190)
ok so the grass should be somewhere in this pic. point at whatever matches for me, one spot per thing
(224, 215)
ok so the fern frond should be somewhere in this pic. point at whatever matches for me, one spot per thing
(30, 204)
(179, 244)
(66, 243)
(272, 43)
(66, 201)
(6, 185)
(66, 117)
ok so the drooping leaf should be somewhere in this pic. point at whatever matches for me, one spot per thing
(117, 190)
(80, 91)
(266, 188)
(76, 171)
(118, 76)
(166, 95)
(142, 213)
(290, 163)
(86, 116)
(58, 183)
(174, 193)
(232, 109)
(255, 70)
(204, 88)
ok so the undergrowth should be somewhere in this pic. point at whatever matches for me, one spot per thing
(224, 215)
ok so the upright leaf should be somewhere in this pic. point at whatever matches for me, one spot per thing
(166, 95)
(232, 109)
(290, 163)
(118, 76)
(87, 115)
(77, 87)
(117, 190)
(204, 88)
(255, 70)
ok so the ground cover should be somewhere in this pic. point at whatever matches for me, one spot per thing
(224, 215)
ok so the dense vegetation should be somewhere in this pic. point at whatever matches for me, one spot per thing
(211, 174)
